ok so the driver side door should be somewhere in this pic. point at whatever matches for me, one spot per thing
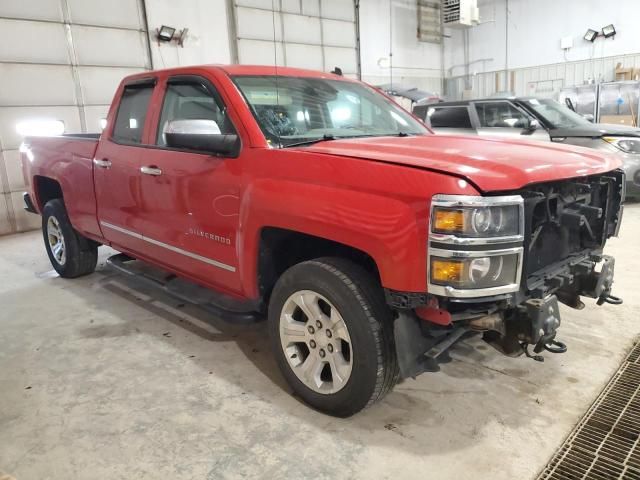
(190, 198)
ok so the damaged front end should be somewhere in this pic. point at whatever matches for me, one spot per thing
(500, 265)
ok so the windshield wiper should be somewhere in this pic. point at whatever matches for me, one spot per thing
(324, 138)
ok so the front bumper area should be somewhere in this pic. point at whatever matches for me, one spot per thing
(510, 326)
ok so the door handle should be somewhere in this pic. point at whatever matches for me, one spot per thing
(104, 163)
(151, 170)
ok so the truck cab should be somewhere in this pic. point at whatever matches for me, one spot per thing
(369, 244)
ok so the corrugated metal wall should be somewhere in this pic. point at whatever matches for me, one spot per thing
(314, 34)
(60, 60)
(543, 80)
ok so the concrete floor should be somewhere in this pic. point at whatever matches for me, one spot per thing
(101, 378)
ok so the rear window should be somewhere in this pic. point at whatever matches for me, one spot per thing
(449, 117)
(132, 113)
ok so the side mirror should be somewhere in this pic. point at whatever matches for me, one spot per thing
(589, 117)
(533, 126)
(200, 135)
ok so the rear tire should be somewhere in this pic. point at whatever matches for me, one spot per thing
(348, 342)
(71, 254)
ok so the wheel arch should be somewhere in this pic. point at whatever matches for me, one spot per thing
(281, 248)
(46, 189)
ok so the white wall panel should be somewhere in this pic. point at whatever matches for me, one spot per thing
(308, 30)
(344, 58)
(390, 26)
(24, 220)
(11, 116)
(4, 183)
(338, 33)
(99, 83)
(259, 52)
(311, 7)
(112, 13)
(13, 168)
(107, 46)
(265, 4)
(258, 24)
(40, 10)
(5, 225)
(291, 6)
(302, 29)
(32, 84)
(94, 114)
(304, 56)
(208, 37)
(63, 59)
(22, 41)
(338, 9)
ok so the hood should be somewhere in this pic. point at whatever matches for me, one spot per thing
(596, 130)
(490, 164)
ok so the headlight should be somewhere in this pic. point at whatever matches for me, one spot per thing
(477, 222)
(466, 218)
(490, 270)
(626, 144)
(465, 255)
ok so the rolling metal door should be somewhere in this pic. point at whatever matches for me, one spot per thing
(60, 60)
(314, 34)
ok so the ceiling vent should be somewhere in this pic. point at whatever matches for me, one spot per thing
(460, 13)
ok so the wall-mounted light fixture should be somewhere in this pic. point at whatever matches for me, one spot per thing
(165, 34)
(169, 34)
(608, 31)
(591, 35)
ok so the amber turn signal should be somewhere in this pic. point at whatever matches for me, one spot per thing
(448, 220)
(446, 271)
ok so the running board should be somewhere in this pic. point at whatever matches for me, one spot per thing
(221, 306)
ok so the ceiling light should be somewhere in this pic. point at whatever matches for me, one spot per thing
(40, 128)
(608, 31)
(591, 35)
(166, 34)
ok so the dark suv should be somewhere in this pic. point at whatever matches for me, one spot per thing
(536, 119)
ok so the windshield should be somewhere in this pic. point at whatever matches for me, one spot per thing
(308, 109)
(556, 114)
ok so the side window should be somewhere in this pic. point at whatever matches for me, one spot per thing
(500, 115)
(132, 113)
(449, 117)
(191, 100)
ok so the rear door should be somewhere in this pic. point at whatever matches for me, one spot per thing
(501, 118)
(190, 199)
(117, 167)
(450, 120)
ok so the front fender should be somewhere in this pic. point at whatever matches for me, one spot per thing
(392, 231)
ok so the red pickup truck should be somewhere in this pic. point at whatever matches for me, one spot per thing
(370, 244)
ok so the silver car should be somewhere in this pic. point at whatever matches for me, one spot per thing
(536, 119)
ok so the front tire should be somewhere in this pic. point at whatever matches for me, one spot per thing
(332, 335)
(71, 254)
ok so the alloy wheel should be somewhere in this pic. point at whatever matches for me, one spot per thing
(316, 342)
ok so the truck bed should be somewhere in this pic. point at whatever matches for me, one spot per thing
(68, 160)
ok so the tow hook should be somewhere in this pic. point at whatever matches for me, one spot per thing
(554, 346)
(606, 297)
(544, 315)
(602, 282)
